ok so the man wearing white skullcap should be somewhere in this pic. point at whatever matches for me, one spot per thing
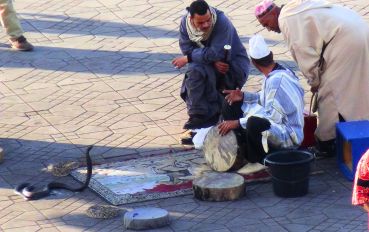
(272, 118)
(330, 44)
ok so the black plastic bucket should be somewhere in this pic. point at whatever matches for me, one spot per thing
(290, 171)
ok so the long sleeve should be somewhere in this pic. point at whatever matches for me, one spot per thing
(185, 43)
(267, 107)
(250, 106)
(251, 97)
(305, 45)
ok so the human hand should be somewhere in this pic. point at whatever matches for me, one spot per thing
(226, 126)
(179, 62)
(233, 95)
(221, 67)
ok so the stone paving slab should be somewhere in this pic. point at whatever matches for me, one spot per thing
(101, 74)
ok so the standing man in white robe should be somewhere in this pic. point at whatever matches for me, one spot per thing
(330, 44)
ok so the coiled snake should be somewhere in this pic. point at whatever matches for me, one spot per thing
(26, 190)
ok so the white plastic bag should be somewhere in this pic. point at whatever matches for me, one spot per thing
(199, 138)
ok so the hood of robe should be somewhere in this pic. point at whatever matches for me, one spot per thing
(297, 6)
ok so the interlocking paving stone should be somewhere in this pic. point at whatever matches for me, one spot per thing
(101, 74)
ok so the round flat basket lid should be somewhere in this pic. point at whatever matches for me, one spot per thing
(219, 187)
(146, 218)
(103, 211)
(220, 151)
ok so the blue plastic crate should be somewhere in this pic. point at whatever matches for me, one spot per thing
(352, 142)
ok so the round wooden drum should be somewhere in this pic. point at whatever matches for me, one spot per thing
(215, 186)
(222, 152)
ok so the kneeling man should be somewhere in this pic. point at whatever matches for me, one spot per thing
(204, 32)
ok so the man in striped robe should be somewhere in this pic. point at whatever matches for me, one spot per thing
(270, 119)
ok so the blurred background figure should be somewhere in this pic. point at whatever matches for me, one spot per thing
(12, 27)
(360, 194)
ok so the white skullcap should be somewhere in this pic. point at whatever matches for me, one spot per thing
(258, 48)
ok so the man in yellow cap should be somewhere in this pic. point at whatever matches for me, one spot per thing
(330, 44)
(270, 119)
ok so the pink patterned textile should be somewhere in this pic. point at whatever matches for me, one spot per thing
(360, 194)
(262, 7)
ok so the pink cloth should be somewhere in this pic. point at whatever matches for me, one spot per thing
(262, 7)
(360, 193)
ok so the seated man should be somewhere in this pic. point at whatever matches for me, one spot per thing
(270, 119)
(204, 31)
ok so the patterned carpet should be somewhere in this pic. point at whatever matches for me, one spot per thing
(149, 178)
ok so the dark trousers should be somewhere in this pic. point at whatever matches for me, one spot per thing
(199, 91)
(249, 139)
(202, 90)
(328, 148)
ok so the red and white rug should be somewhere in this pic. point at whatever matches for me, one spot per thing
(149, 178)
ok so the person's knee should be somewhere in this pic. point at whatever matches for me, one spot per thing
(231, 112)
(199, 69)
(226, 109)
(195, 78)
(257, 125)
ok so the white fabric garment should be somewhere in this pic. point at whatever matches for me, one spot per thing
(257, 47)
(199, 138)
(344, 79)
(298, 6)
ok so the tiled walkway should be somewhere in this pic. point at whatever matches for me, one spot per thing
(101, 74)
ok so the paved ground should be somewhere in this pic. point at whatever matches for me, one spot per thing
(101, 75)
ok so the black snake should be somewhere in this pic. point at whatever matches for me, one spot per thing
(26, 190)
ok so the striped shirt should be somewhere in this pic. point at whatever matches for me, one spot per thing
(281, 101)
